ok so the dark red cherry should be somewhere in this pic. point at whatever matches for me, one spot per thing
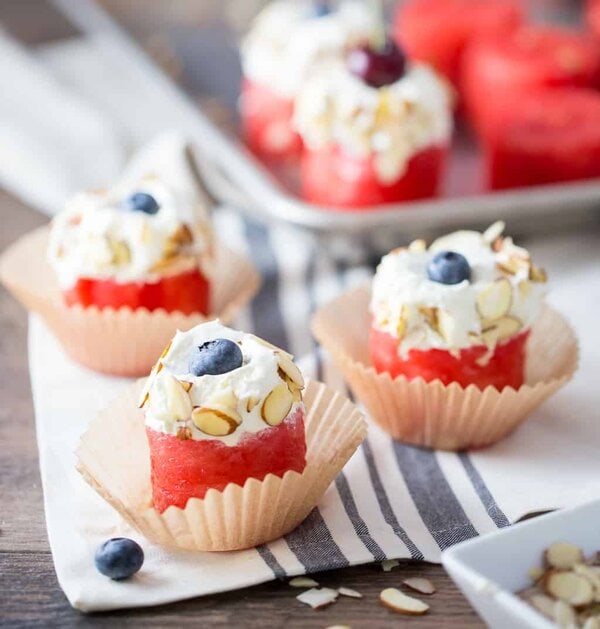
(377, 67)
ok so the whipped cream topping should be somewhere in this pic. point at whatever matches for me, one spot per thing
(391, 123)
(238, 394)
(96, 237)
(502, 298)
(287, 41)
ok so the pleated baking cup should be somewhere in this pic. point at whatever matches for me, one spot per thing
(114, 458)
(121, 342)
(432, 414)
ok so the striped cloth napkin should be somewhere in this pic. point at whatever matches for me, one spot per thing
(390, 501)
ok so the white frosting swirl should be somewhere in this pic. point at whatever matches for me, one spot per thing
(391, 123)
(258, 376)
(95, 237)
(424, 314)
(287, 41)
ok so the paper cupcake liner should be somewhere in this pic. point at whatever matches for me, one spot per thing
(114, 458)
(120, 342)
(432, 414)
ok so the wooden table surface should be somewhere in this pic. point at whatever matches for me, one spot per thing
(29, 592)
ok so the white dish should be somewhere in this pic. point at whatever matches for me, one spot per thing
(490, 570)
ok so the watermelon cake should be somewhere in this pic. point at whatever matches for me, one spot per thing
(545, 137)
(141, 244)
(460, 310)
(376, 129)
(498, 70)
(221, 407)
(286, 42)
(438, 31)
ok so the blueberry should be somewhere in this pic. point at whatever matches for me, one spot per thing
(448, 267)
(321, 8)
(215, 357)
(119, 558)
(141, 202)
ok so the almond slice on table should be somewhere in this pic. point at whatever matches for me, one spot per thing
(495, 300)
(303, 582)
(318, 598)
(388, 564)
(563, 555)
(569, 587)
(420, 584)
(349, 592)
(400, 603)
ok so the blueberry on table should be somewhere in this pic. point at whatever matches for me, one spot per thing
(215, 357)
(448, 267)
(377, 66)
(119, 558)
(142, 202)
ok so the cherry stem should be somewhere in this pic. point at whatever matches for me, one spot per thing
(379, 33)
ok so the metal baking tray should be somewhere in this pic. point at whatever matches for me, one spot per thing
(236, 177)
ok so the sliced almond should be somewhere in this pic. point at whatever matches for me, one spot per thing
(349, 592)
(178, 401)
(569, 587)
(295, 391)
(400, 603)
(186, 385)
(166, 349)
(495, 230)
(535, 573)
(184, 433)
(144, 399)
(277, 405)
(500, 330)
(544, 604)
(213, 422)
(402, 323)
(419, 584)
(591, 574)
(251, 403)
(431, 316)
(318, 598)
(536, 274)
(495, 300)
(525, 289)
(121, 254)
(289, 368)
(388, 564)
(262, 341)
(417, 246)
(563, 555)
(446, 324)
(303, 582)
(564, 615)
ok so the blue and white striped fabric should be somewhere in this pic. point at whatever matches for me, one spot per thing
(390, 501)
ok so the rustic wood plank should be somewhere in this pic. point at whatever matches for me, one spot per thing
(31, 596)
